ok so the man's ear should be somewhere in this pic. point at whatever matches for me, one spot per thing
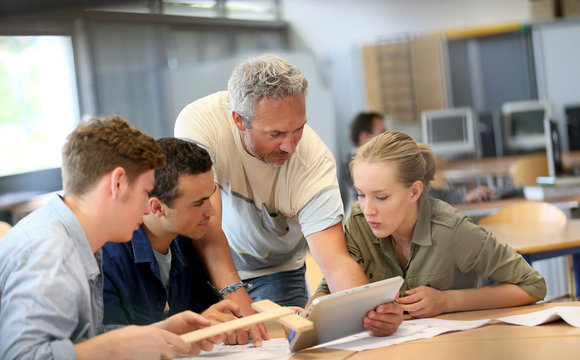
(119, 182)
(156, 206)
(238, 121)
(416, 190)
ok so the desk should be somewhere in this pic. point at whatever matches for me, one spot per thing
(537, 242)
(479, 168)
(571, 160)
(495, 167)
(556, 340)
(484, 208)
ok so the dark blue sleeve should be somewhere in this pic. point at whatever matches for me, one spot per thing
(116, 311)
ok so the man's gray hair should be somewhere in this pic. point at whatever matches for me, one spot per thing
(263, 76)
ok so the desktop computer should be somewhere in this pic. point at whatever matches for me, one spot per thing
(573, 123)
(557, 175)
(487, 132)
(523, 126)
(451, 133)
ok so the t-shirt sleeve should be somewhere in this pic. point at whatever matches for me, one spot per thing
(322, 212)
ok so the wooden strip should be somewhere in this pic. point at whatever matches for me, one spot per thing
(482, 31)
(264, 305)
(228, 326)
(294, 321)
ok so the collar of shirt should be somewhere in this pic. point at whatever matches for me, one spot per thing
(90, 260)
(144, 252)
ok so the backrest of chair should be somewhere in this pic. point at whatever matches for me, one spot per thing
(4, 228)
(525, 170)
(527, 212)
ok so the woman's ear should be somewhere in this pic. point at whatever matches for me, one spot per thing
(416, 190)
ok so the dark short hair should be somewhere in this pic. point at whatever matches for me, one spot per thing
(98, 146)
(183, 158)
(362, 122)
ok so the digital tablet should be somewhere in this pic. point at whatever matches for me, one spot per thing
(341, 313)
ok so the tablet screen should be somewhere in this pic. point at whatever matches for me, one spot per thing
(341, 313)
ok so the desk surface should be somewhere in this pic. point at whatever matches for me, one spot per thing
(489, 207)
(479, 167)
(492, 341)
(571, 159)
(499, 166)
(534, 238)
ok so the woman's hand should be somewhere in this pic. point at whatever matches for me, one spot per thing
(423, 301)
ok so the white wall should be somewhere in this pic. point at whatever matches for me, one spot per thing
(326, 26)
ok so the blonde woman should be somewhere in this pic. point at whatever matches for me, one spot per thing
(396, 229)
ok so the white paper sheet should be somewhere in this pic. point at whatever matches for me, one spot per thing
(426, 328)
(570, 314)
(409, 330)
(277, 349)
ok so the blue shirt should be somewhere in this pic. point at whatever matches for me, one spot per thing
(133, 291)
(50, 286)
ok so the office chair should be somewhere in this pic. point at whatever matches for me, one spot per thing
(526, 212)
(525, 170)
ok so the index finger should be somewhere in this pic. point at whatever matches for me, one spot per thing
(258, 332)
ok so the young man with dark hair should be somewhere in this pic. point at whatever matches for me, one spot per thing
(158, 273)
(51, 285)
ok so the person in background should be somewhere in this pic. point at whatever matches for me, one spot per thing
(278, 189)
(367, 125)
(51, 285)
(158, 273)
(396, 229)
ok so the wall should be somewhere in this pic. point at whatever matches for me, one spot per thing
(335, 30)
(327, 26)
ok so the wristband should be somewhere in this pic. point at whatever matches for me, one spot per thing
(233, 287)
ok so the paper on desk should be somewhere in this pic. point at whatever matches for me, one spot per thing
(426, 328)
(277, 349)
(409, 330)
(570, 314)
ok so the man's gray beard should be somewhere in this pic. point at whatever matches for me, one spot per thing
(252, 150)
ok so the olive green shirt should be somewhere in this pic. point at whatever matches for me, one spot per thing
(448, 251)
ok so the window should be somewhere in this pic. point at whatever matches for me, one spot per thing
(39, 101)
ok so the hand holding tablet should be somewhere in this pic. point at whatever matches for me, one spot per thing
(341, 313)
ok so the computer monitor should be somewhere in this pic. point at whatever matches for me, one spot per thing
(523, 125)
(450, 133)
(553, 147)
(573, 123)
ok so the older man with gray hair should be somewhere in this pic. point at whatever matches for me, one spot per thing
(278, 189)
